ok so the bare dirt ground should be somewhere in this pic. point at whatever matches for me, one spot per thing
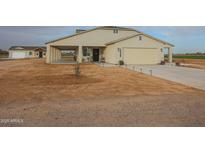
(50, 95)
(194, 63)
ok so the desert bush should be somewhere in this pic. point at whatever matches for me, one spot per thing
(75, 58)
(121, 62)
(102, 60)
(162, 63)
(77, 69)
(177, 63)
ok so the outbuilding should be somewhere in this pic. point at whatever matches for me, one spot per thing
(19, 52)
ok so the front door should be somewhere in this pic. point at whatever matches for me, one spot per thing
(95, 55)
(40, 54)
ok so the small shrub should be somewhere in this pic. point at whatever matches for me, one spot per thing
(77, 69)
(102, 60)
(121, 62)
(162, 63)
(75, 58)
(177, 63)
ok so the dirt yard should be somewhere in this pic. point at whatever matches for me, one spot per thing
(195, 63)
(50, 95)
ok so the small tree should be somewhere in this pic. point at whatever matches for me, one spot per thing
(77, 69)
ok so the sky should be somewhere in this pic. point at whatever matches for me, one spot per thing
(186, 39)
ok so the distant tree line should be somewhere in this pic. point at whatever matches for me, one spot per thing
(190, 54)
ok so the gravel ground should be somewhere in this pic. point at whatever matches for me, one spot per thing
(33, 93)
(194, 63)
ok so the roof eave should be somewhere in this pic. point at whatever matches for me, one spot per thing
(122, 39)
(116, 41)
(70, 36)
(109, 43)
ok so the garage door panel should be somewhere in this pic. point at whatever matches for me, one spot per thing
(17, 55)
(141, 56)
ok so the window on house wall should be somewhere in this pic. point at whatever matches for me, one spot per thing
(140, 37)
(115, 31)
(86, 52)
(120, 52)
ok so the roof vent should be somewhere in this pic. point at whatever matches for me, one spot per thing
(79, 30)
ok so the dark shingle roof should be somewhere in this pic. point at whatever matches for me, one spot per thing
(26, 47)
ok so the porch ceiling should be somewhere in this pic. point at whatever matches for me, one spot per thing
(66, 47)
(94, 46)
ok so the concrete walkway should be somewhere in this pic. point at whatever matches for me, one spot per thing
(184, 75)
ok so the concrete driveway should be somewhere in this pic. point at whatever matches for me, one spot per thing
(184, 75)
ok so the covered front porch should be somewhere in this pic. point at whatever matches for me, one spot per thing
(169, 52)
(74, 54)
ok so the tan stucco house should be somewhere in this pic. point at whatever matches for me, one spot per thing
(110, 44)
(17, 52)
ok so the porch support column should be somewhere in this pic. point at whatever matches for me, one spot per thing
(80, 54)
(58, 54)
(51, 55)
(48, 52)
(170, 54)
(55, 55)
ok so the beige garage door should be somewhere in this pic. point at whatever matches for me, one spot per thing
(141, 56)
(18, 54)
